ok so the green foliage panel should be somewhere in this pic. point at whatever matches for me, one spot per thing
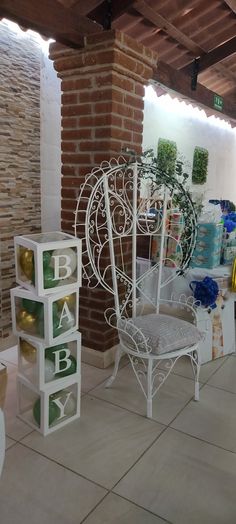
(166, 156)
(200, 164)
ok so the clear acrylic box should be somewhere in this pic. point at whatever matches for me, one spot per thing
(51, 408)
(48, 262)
(44, 319)
(42, 365)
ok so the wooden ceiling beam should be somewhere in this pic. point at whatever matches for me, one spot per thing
(175, 33)
(83, 7)
(231, 4)
(68, 3)
(118, 9)
(178, 83)
(49, 18)
(213, 57)
(161, 22)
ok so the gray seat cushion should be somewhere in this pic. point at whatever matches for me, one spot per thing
(162, 333)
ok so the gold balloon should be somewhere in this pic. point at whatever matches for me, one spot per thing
(28, 351)
(26, 321)
(27, 261)
(69, 299)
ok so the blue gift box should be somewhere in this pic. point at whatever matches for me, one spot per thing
(207, 251)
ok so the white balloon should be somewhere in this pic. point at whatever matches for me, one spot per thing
(70, 407)
(49, 370)
(70, 253)
(69, 403)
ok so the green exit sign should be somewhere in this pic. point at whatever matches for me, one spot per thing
(218, 102)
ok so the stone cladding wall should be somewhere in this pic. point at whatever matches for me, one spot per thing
(19, 153)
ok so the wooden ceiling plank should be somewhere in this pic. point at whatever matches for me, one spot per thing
(223, 70)
(178, 82)
(206, 23)
(126, 22)
(193, 20)
(50, 19)
(213, 57)
(177, 8)
(217, 35)
(160, 21)
(175, 33)
(231, 4)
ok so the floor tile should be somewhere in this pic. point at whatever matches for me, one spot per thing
(102, 445)
(10, 355)
(33, 487)
(126, 392)
(225, 377)
(184, 480)
(183, 367)
(212, 419)
(11, 368)
(91, 376)
(9, 442)
(114, 509)
(15, 428)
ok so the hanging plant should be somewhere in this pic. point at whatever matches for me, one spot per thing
(166, 156)
(200, 164)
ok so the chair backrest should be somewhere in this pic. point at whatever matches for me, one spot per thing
(140, 231)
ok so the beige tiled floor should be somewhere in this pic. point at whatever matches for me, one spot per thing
(115, 466)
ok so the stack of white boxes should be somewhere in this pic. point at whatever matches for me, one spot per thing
(45, 319)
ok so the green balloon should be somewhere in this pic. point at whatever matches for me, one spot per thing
(70, 371)
(50, 352)
(54, 411)
(40, 313)
(40, 320)
(31, 306)
(48, 278)
(47, 255)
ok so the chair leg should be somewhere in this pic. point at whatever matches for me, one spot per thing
(196, 370)
(118, 356)
(149, 388)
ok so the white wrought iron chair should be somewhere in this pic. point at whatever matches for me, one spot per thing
(119, 217)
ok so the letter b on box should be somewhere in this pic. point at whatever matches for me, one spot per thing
(48, 262)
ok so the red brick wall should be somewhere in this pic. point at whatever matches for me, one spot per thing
(102, 113)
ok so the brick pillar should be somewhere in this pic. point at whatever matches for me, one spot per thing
(102, 113)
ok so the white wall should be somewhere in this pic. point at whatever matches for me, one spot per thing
(50, 145)
(176, 121)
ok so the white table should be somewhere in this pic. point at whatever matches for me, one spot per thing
(2, 440)
(219, 324)
(3, 381)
